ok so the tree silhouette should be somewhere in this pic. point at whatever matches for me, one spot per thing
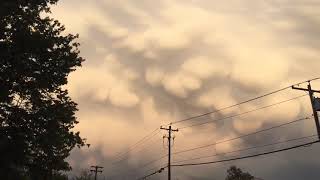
(84, 175)
(235, 173)
(36, 113)
(59, 176)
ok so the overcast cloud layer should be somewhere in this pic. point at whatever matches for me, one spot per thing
(153, 62)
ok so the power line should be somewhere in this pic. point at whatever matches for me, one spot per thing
(242, 157)
(121, 159)
(243, 136)
(156, 172)
(248, 148)
(169, 137)
(249, 156)
(154, 161)
(137, 143)
(153, 133)
(150, 162)
(114, 165)
(144, 165)
(145, 138)
(133, 147)
(243, 102)
(131, 172)
(164, 165)
(155, 167)
(240, 114)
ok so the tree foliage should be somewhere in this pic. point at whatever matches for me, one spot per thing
(84, 175)
(235, 173)
(59, 176)
(36, 114)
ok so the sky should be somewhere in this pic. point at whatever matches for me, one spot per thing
(149, 63)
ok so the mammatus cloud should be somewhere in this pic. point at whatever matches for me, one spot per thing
(103, 85)
(153, 62)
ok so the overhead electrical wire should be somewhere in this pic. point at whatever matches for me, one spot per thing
(114, 164)
(134, 146)
(153, 173)
(144, 148)
(131, 172)
(248, 148)
(120, 154)
(150, 163)
(263, 130)
(141, 167)
(248, 156)
(244, 113)
(243, 102)
(233, 159)
(153, 161)
(156, 167)
(156, 131)
(242, 136)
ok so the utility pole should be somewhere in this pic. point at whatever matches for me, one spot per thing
(170, 130)
(96, 169)
(312, 99)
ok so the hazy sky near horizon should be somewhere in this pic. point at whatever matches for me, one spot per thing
(153, 62)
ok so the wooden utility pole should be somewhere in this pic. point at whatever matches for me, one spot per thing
(170, 130)
(312, 99)
(95, 170)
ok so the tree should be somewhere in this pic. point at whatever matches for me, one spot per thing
(84, 175)
(235, 173)
(36, 114)
(59, 176)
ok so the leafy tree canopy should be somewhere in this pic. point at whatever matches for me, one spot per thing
(234, 173)
(36, 114)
